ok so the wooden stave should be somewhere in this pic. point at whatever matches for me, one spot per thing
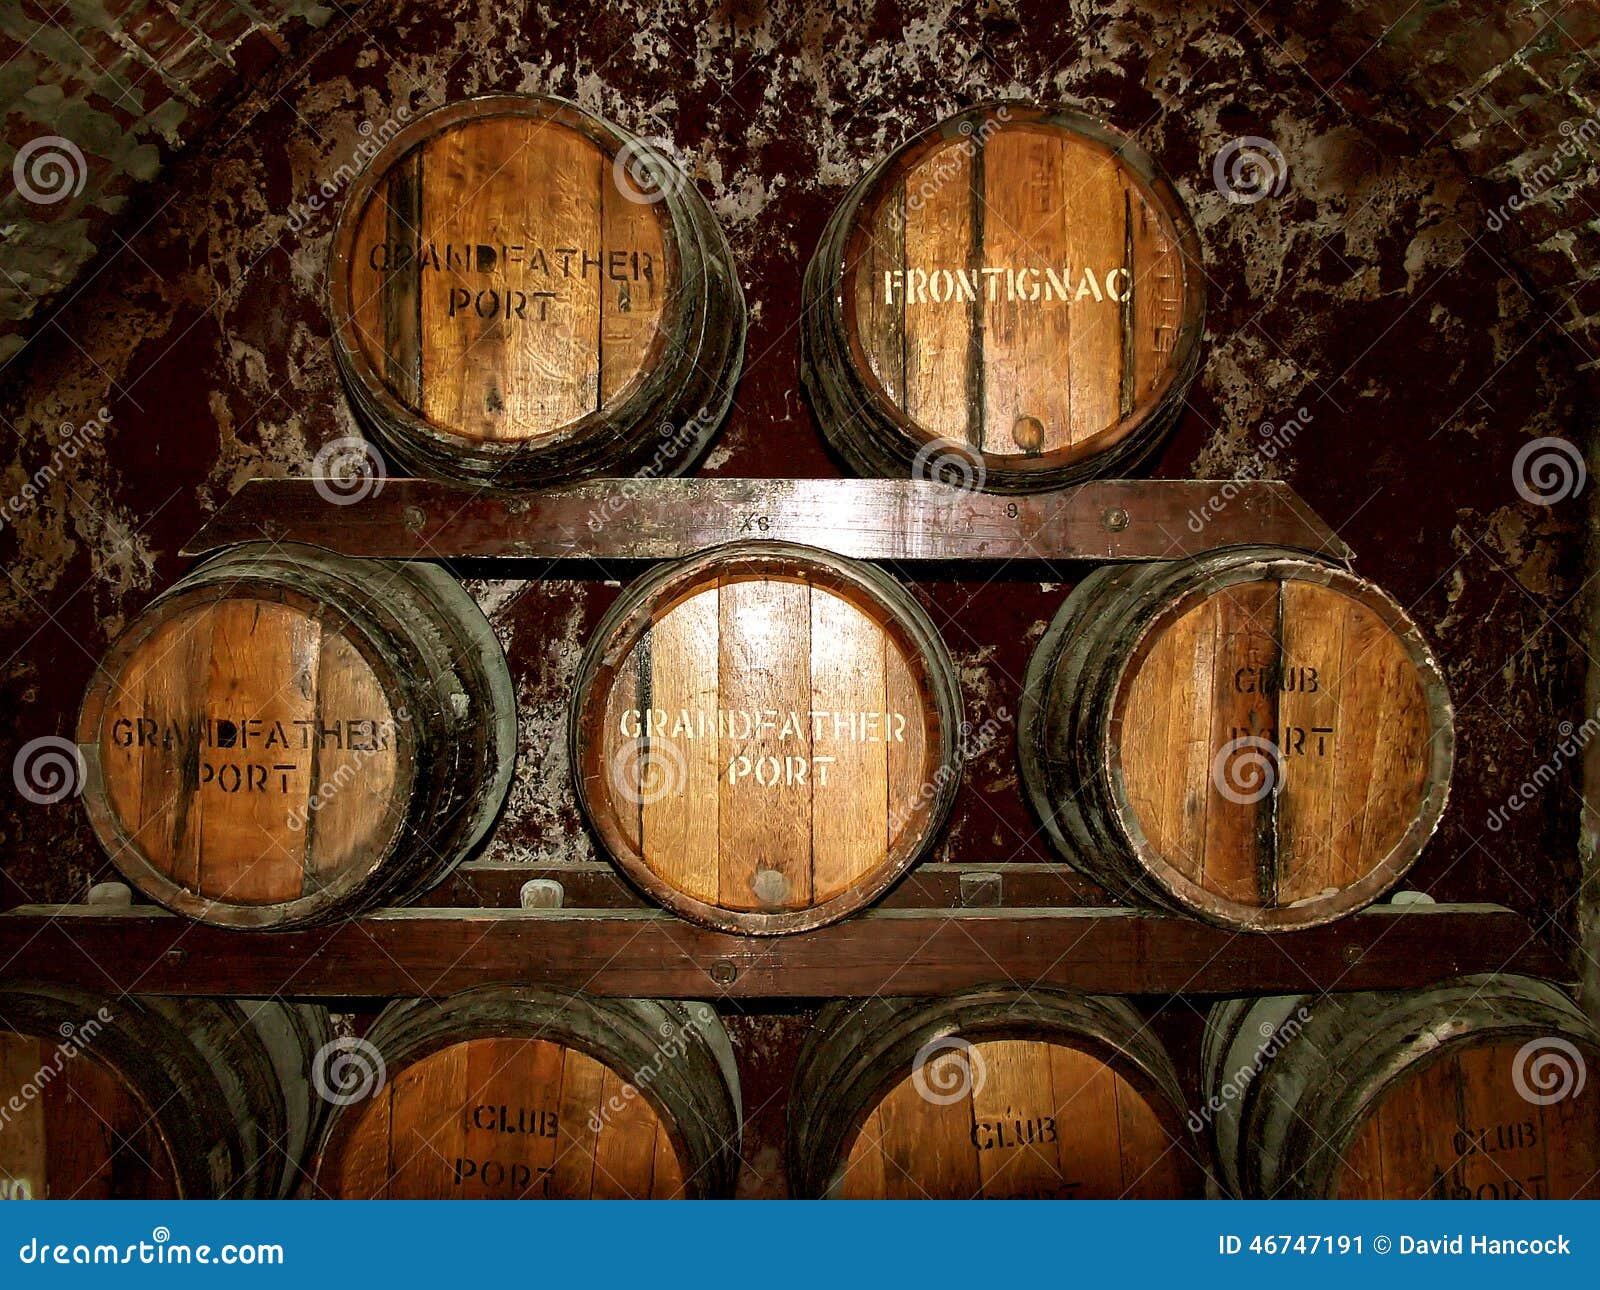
(858, 1049)
(199, 1068)
(457, 669)
(697, 1096)
(1351, 1052)
(706, 348)
(876, 440)
(930, 649)
(443, 624)
(1081, 668)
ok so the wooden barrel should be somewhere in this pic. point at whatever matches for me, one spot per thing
(287, 735)
(516, 1094)
(523, 293)
(991, 1093)
(764, 737)
(1254, 736)
(1482, 1088)
(149, 1098)
(1013, 299)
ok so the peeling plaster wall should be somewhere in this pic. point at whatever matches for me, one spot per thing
(1369, 306)
(1512, 87)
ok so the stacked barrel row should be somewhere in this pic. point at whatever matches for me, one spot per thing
(765, 737)
(1476, 1089)
(523, 293)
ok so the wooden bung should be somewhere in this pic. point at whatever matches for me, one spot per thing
(517, 1094)
(988, 1094)
(1252, 736)
(287, 735)
(765, 737)
(1013, 300)
(522, 293)
(1482, 1088)
(150, 1098)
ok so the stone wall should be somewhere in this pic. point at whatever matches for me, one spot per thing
(99, 94)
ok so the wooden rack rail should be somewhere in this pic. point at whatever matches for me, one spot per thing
(907, 946)
(873, 519)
